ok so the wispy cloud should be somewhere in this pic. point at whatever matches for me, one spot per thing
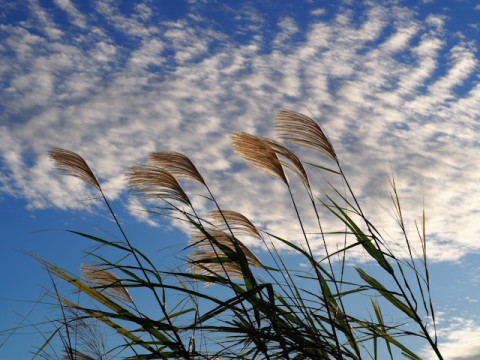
(318, 11)
(387, 88)
(42, 20)
(77, 18)
(459, 339)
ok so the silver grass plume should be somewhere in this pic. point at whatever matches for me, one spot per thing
(89, 336)
(293, 163)
(236, 222)
(105, 279)
(73, 164)
(77, 355)
(301, 130)
(177, 164)
(208, 258)
(259, 154)
(269, 156)
(154, 182)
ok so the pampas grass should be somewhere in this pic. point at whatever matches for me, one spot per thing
(262, 312)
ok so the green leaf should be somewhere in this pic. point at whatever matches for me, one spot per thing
(362, 238)
(322, 167)
(387, 294)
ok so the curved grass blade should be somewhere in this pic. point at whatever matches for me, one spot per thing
(387, 294)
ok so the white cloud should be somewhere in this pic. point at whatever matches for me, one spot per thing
(383, 89)
(104, 52)
(458, 340)
(248, 19)
(77, 18)
(138, 210)
(45, 21)
(288, 28)
(144, 11)
(148, 54)
(317, 12)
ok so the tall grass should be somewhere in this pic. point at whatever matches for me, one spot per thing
(247, 309)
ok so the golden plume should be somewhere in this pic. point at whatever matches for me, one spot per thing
(208, 257)
(237, 222)
(108, 281)
(154, 182)
(299, 129)
(293, 163)
(263, 154)
(259, 154)
(73, 164)
(177, 164)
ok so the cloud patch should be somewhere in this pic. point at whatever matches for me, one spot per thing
(458, 340)
(388, 89)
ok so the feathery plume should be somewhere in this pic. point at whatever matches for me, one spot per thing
(154, 182)
(77, 355)
(259, 154)
(301, 130)
(209, 257)
(73, 164)
(206, 262)
(293, 163)
(110, 283)
(238, 223)
(177, 164)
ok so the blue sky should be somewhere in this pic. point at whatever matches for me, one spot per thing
(394, 83)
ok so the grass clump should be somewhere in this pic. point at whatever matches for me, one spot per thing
(263, 311)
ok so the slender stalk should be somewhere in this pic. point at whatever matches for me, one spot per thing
(325, 300)
(148, 283)
(417, 319)
(335, 282)
(243, 263)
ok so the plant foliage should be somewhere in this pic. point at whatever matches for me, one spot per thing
(264, 312)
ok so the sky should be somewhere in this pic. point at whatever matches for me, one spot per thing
(393, 83)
